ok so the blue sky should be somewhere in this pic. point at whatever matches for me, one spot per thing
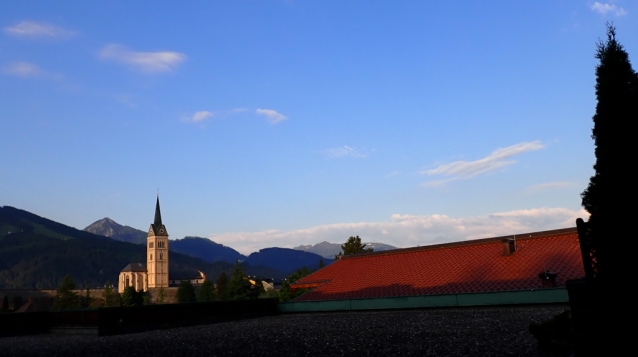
(279, 123)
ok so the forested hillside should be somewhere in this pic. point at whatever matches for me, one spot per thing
(37, 253)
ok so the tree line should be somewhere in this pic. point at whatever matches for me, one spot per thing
(236, 287)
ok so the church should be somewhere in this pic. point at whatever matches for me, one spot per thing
(154, 274)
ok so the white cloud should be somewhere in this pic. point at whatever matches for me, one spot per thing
(162, 61)
(549, 186)
(604, 8)
(408, 230)
(202, 115)
(494, 161)
(37, 29)
(273, 116)
(199, 116)
(344, 151)
(29, 70)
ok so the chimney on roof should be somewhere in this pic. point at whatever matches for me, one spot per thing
(548, 279)
(509, 246)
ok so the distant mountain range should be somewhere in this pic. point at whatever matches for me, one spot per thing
(205, 249)
(285, 259)
(36, 252)
(329, 250)
(280, 259)
(109, 228)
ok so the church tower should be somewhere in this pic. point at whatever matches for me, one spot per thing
(157, 252)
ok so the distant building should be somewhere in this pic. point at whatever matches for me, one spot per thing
(523, 262)
(155, 273)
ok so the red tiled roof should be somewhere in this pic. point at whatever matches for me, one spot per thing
(463, 267)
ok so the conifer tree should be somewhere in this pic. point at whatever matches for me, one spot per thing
(161, 295)
(65, 298)
(5, 304)
(186, 292)
(238, 287)
(352, 246)
(220, 286)
(88, 299)
(613, 181)
(206, 291)
(111, 298)
(130, 297)
(287, 294)
(321, 265)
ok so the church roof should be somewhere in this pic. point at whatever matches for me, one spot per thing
(453, 268)
(135, 267)
(158, 215)
(157, 228)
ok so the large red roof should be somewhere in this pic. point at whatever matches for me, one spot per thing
(463, 267)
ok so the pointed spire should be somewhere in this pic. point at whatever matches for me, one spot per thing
(158, 216)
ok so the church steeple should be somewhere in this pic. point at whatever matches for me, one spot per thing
(158, 215)
(157, 251)
(157, 228)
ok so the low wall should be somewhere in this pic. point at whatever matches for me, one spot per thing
(521, 297)
(43, 299)
(117, 320)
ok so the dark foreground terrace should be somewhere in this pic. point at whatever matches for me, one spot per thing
(446, 332)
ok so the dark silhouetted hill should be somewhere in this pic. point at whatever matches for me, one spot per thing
(36, 252)
(205, 249)
(284, 259)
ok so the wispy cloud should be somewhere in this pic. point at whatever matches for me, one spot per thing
(344, 151)
(273, 116)
(202, 115)
(37, 29)
(161, 61)
(468, 169)
(605, 8)
(409, 230)
(29, 70)
(549, 186)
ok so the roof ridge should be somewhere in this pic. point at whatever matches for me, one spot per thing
(523, 236)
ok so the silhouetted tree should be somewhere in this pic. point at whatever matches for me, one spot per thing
(287, 294)
(614, 140)
(186, 292)
(17, 302)
(321, 265)
(238, 287)
(88, 299)
(111, 298)
(130, 297)
(65, 298)
(206, 291)
(352, 246)
(161, 295)
(220, 286)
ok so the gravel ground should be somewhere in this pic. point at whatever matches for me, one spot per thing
(449, 332)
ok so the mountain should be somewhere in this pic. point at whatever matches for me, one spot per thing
(36, 252)
(202, 248)
(284, 259)
(329, 250)
(205, 249)
(109, 228)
